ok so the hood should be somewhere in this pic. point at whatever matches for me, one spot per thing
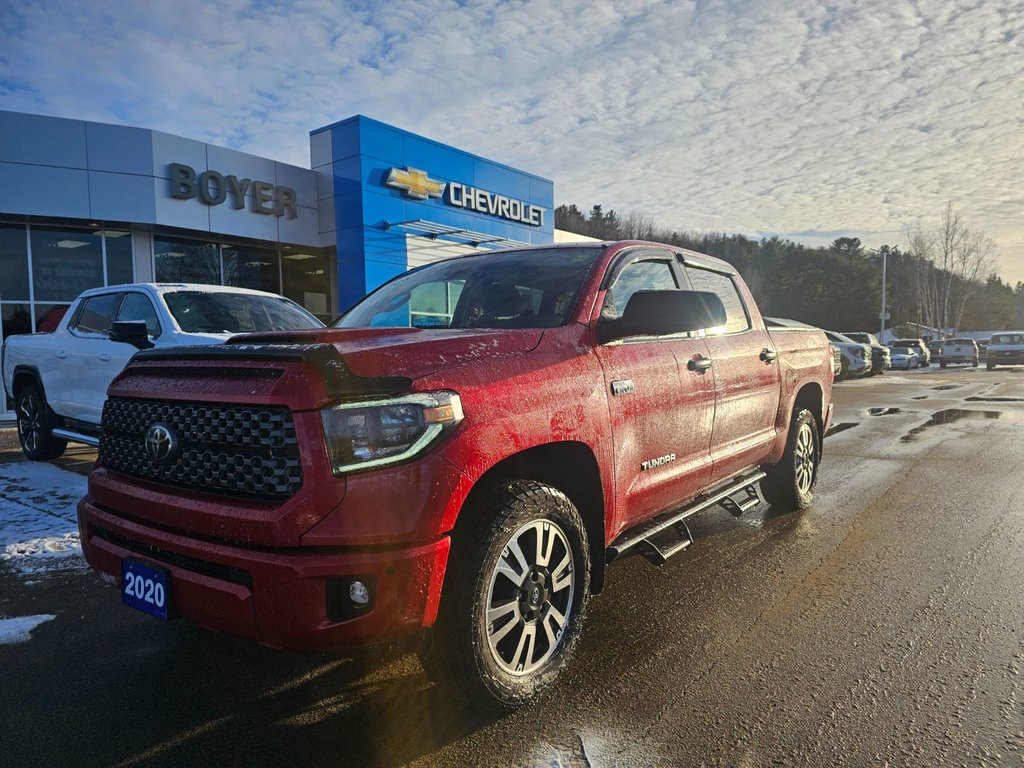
(408, 352)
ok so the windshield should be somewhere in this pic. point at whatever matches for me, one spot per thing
(1008, 338)
(504, 289)
(223, 312)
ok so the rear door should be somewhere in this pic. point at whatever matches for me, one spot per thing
(746, 377)
(661, 412)
(90, 360)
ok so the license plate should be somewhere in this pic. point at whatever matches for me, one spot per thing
(145, 588)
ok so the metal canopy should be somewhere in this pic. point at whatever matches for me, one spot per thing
(434, 231)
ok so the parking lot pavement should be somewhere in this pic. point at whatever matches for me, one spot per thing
(882, 626)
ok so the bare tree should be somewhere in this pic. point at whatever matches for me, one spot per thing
(638, 226)
(952, 262)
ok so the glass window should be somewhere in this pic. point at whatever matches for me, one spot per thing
(307, 279)
(508, 289)
(186, 261)
(48, 316)
(638, 276)
(65, 262)
(137, 306)
(16, 318)
(218, 312)
(715, 282)
(97, 313)
(251, 268)
(120, 268)
(13, 263)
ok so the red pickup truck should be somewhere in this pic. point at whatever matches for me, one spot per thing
(463, 452)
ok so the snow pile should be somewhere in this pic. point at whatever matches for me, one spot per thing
(38, 523)
(19, 629)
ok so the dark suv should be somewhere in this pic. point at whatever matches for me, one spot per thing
(880, 355)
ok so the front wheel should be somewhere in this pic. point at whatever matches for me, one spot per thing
(520, 578)
(789, 485)
(37, 441)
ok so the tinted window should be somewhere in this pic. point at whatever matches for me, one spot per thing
(186, 261)
(119, 257)
(254, 268)
(216, 312)
(97, 313)
(13, 263)
(65, 262)
(1008, 338)
(648, 275)
(735, 312)
(137, 306)
(506, 289)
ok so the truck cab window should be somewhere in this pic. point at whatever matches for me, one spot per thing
(736, 313)
(96, 313)
(646, 275)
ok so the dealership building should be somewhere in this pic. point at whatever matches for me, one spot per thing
(86, 204)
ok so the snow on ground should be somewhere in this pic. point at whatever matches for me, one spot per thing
(19, 629)
(38, 524)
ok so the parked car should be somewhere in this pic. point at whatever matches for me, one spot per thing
(472, 477)
(983, 348)
(880, 358)
(961, 350)
(918, 346)
(935, 350)
(1005, 348)
(856, 356)
(57, 382)
(905, 358)
(837, 360)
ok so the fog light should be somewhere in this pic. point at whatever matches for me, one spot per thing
(349, 596)
(359, 594)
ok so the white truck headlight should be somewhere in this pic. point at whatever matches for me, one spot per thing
(375, 433)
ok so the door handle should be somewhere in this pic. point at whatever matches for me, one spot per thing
(698, 364)
(105, 357)
(62, 354)
(768, 355)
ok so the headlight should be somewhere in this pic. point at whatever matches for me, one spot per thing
(374, 433)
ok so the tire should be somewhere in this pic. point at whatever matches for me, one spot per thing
(789, 485)
(990, 366)
(844, 370)
(974, 363)
(34, 424)
(473, 646)
(942, 364)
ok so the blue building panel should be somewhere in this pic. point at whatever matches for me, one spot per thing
(488, 198)
(40, 190)
(121, 197)
(119, 149)
(42, 140)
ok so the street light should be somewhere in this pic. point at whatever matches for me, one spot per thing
(881, 315)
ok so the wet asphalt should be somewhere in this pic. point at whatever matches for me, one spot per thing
(882, 626)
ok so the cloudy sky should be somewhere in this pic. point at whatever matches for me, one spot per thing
(803, 118)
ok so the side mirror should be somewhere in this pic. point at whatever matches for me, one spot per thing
(661, 313)
(131, 332)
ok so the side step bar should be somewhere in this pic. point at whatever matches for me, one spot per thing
(78, 437)
(668, 534)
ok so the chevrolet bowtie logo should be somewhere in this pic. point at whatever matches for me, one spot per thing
(415, 183)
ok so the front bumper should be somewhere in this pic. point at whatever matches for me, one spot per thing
(279, 598)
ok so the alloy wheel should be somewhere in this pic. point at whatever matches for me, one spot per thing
(29, 418)
(805, 455)
(530, 597)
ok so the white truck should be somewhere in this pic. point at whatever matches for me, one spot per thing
(57, 382)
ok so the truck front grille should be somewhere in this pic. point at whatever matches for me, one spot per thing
(234, 450)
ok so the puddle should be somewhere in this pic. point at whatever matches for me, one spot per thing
(920, 397)
(995, 399)
(951, 415)
(882, 411)
(943, 387)
(837, 428)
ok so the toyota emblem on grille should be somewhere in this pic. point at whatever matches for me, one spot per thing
(161, 444)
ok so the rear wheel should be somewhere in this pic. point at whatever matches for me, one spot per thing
(789, 484)
(520, 579)
(34, 432)
(942, 364)
(990, 366)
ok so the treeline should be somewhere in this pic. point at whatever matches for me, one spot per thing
(837, 287)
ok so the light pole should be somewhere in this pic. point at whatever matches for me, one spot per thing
(881, 333)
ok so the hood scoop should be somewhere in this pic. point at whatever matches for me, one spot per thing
(338, 378)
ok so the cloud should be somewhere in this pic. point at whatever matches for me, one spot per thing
(753, 117)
